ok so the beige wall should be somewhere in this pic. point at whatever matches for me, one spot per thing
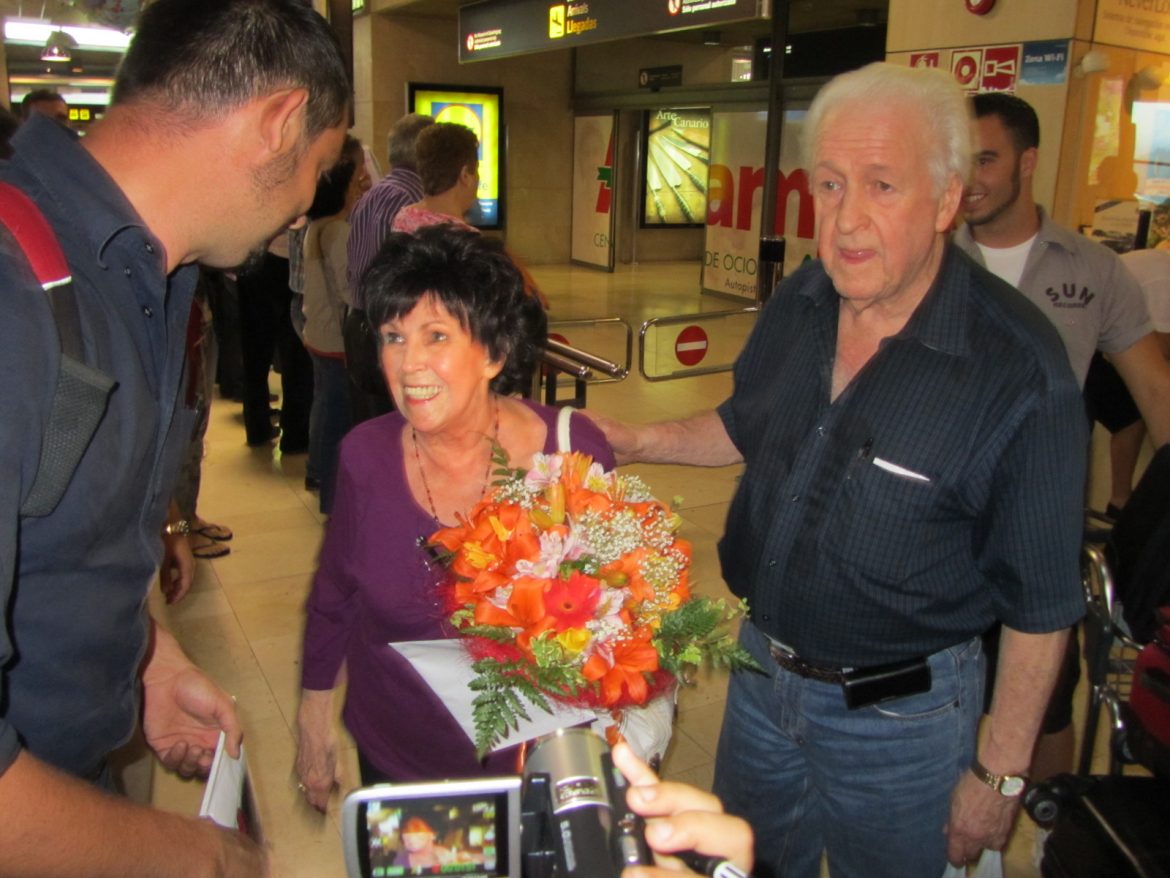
(391, 50)
(919, 24)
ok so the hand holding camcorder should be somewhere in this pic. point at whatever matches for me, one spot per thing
(566, 818)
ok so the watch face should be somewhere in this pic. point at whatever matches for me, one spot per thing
(1012, 786)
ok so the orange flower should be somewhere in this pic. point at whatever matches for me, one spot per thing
(468, 590)
(571, 602)
(494, 538)
(581, 500)
(626, 572)
(525, 606)
(632, 659)
(527, 600)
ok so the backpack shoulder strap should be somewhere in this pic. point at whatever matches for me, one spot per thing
(35, 237)
(82, 392)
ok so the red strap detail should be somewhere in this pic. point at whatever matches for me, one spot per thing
(34, 235)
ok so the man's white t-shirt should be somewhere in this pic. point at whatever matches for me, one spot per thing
(1007, 263)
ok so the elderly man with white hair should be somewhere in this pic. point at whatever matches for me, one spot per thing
(914, 448)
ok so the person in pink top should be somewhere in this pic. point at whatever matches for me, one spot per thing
(448, 165)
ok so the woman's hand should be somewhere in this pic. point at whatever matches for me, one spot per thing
(680, 818)
(316, 764)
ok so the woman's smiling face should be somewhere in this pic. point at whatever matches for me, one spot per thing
(437, 373)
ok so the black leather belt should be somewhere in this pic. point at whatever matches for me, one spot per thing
(790, 661)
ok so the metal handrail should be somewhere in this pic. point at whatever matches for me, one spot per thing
(561, 358)
(675, 319)
(562, 363)
(613, 370)
(601, 321)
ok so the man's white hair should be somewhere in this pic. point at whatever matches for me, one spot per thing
(932, 94)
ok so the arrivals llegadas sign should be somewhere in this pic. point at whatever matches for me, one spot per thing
(501, 28)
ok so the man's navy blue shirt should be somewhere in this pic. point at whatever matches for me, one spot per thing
(73, 584)
(940, 491)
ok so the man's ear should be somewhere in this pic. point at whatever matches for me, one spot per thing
(948, 204)
(282, 119)
(1028, 161)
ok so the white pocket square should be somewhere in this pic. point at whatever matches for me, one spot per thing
(899, 470)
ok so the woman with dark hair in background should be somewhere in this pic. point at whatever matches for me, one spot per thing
(326, 296)
(458, 333)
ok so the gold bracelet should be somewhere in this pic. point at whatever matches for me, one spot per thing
(182, 527)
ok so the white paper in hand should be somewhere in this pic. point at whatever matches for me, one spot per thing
(446, 668)
(228, 798)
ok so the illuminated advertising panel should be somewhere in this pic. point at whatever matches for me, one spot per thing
(678, 151)
(482, 110)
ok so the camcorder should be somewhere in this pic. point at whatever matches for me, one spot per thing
(565, 818)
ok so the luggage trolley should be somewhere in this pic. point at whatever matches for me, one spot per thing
(1117, 824)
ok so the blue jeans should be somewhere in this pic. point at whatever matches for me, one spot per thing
(329, 421)
(871, 787)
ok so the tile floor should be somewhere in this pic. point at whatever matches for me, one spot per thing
(242, 620)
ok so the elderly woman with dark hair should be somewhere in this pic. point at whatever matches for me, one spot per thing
(457, 333)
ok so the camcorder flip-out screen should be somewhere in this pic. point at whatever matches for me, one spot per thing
(469, 828)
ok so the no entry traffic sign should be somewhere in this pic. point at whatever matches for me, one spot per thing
(691, 346)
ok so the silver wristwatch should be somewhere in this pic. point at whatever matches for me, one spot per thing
(1010, 785)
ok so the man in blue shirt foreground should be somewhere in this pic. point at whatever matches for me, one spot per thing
(224, 114)
(914, 448)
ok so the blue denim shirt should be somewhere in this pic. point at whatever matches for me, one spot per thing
(73, 584)
(942, 490)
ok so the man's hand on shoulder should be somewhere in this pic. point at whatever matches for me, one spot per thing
(980, 818)
(622, 437)
(701, 440)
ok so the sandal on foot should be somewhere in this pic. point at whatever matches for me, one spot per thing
(209, 550)
(216, 532)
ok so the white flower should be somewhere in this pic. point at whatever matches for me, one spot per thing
(554, 550)
(545, 471)
(596, 478)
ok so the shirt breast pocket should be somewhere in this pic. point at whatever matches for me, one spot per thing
(886, 522)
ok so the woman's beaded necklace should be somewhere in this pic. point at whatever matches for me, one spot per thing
(486, 474)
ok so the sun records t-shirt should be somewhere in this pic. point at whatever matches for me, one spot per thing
(1082, 287)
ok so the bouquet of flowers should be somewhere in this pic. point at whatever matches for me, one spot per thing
(569, 583)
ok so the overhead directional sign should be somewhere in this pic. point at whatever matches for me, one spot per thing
(502, 28)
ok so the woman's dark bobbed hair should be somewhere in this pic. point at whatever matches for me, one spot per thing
(475, 279)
